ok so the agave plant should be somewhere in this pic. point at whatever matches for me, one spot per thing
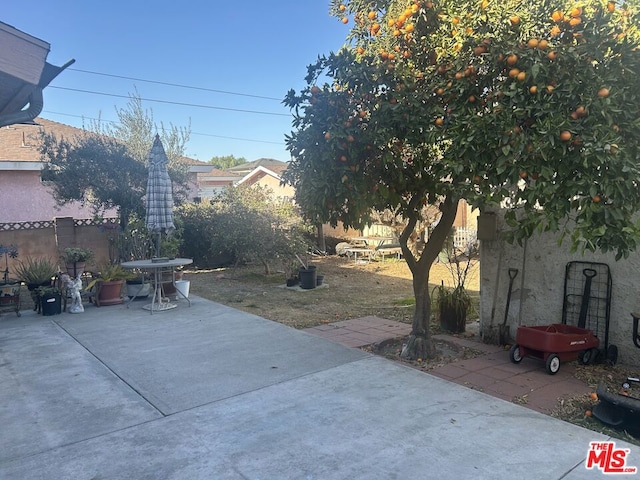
(36, 270)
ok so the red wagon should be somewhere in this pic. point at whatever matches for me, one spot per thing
(554, 344)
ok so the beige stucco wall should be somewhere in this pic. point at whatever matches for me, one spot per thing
(538, 288)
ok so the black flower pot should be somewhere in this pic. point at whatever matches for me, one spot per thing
(308, 278)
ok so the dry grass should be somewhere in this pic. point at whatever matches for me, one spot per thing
(352, 290)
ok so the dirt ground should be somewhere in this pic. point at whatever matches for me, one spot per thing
(350, 290)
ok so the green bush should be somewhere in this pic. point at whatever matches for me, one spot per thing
(240, 225)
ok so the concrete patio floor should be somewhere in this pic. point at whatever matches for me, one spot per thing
(209, 392)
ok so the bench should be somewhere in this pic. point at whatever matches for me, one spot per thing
(364, 251)
(389, 249)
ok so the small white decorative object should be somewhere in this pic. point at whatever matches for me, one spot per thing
(75, 285)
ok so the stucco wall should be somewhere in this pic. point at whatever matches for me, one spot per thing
(25, 198)
(538, 289)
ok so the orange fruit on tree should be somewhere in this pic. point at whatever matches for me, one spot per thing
(565, 135)
(576, 12)
(360, 50)
(557, 16)
(532, 43)
(550, 88)
(581, 111)
(588, 413)
(515, 20)
(552, 55)
(593, 396)
(514, 72)
(596, 199)
(479, 50)
(512, 59)
(409, 28)
(611, 6)
(455, 20)
(345, 20)
(439, 121)
(523, 175)
(555, 31)
(372, 15)
(575, 21)
(543, 44)
(342, 8)
(533, 89)
(521, 76)
(603, 92)
(472, 99)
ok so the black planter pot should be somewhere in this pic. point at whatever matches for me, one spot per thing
(292, 282)
(453, 318)
(308, 278)
(51, 304)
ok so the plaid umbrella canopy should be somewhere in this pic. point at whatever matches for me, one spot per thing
(159, 194)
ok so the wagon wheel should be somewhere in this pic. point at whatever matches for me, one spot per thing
(588, 357)
(515, 354)
(553, 364)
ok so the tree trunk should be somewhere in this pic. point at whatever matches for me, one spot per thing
(322, 246)
(419, 344)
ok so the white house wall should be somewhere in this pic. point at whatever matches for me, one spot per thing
(538, 288)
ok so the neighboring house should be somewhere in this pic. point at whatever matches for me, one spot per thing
(214, 181)
(269, 175)
(25, 196)
(264, 172)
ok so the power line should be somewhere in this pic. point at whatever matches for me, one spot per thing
(191, 133)
(173, 103)
(175, 85)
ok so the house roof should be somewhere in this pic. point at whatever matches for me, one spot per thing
(275, 166)
(19, 143)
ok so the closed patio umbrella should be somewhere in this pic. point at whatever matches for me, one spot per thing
(159, 194)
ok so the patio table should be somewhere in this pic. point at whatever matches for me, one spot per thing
(158, 304)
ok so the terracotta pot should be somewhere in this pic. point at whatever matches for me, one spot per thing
(110, 293)
(76, 269)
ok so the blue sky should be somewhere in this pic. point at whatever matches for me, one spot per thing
(259, 48)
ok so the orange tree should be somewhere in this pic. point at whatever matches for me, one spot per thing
(527, 106)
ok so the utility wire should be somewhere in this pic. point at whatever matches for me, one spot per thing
(173, 103)
(175, 85)
(191, 133)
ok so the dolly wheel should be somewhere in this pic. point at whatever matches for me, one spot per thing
(612, 355)
(514, 354)
(553, 364)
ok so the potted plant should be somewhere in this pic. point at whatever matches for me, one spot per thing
(36, 272)
(8, 251)
(50, 299)
(291, 273)
(108, 284)
(452, 307)
(75, 259)
(9, 288)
